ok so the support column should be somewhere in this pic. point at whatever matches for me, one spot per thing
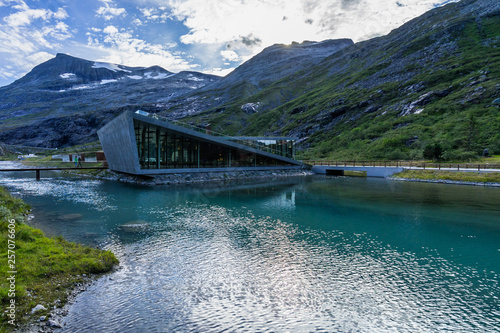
(158, 148)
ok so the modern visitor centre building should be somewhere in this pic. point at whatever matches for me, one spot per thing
(143, 144)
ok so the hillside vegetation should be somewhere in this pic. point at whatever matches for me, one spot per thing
(434, 81)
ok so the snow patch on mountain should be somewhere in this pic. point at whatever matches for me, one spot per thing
(150, 75)
(67, 76)
(111, 67)
(108, 81)
(194, 78)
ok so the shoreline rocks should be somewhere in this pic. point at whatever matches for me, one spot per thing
(200, 177)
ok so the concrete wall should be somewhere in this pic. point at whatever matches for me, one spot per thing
(118, 142)
(381, 172)
(227, 169)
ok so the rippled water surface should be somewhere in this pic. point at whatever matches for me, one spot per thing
(302, 255)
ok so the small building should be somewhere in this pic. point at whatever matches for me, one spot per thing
(141, 144)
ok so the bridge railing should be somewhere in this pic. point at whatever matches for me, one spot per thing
(406, 164)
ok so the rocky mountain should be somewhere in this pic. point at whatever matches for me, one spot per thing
(271, 65)
(434, 80)
(66, 99)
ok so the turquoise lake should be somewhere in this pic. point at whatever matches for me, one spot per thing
(311, 254)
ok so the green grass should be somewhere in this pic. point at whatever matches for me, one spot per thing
(476, 177)
(47, 268)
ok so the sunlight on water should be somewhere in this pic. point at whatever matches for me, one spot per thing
(328, 255)
(84, 192)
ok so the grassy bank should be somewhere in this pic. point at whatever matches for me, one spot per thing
(458, 176)
(47, 268)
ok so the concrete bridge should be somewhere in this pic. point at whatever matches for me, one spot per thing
(371, 171)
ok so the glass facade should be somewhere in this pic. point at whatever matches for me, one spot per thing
(278, 146)
(159, 148)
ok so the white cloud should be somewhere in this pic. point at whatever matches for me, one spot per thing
(40, 57)
(27, 36)
(60, 14)
(284, 21)
(26, 16)
(229, 55)
(109, 11)
(155, 14)
(110, 30)
(216, 34)
(59, 31)
(121, 47)
(219, 71)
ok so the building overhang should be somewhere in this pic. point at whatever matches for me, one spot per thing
(119, 143)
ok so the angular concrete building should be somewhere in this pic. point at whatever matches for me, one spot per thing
(141, 144)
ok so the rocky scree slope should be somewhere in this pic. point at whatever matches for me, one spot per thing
(272, 64)
(435, 80)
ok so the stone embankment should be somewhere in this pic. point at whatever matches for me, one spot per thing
(200, 177)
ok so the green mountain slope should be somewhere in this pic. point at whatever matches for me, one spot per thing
(434, 80)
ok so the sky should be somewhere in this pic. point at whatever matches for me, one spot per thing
(210, 36)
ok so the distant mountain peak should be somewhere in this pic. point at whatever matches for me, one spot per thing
(274, 61)
(67, 72)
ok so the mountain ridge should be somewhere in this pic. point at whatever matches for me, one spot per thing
(65, 86)
(434, 80)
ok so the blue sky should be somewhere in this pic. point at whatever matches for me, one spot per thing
(201, 35)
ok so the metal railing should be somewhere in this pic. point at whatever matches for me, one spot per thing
(407, 164)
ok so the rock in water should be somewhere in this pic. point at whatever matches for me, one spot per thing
(70, 217)
(135, 226)
(53, 323)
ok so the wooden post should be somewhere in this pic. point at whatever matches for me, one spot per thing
(37, 174)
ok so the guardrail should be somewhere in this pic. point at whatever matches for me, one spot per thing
(39, 169)
(406, 164)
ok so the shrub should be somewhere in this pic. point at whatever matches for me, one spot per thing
(433, 151)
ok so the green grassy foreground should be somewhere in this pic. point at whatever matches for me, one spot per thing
(47, 268)
(476, 177)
